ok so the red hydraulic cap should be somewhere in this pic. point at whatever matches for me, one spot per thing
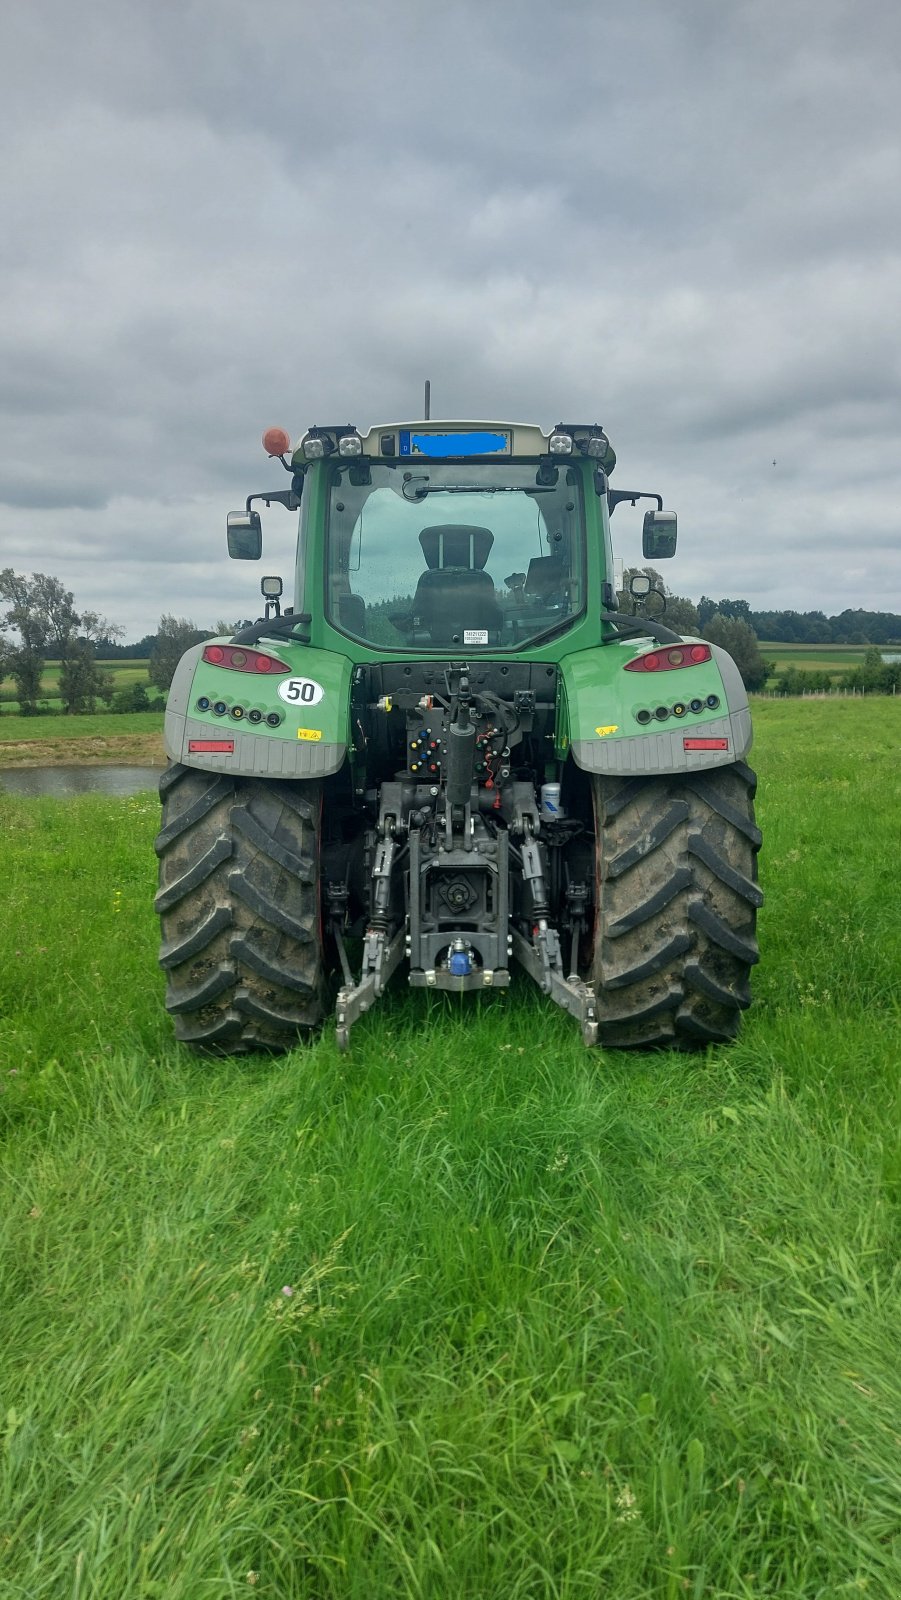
(276, 442)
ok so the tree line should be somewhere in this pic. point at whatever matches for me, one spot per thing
(733, 625)
(814, 627)
(874, 677)
(41, 624)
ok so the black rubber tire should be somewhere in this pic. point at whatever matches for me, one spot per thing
(239, 907)
(676, 910)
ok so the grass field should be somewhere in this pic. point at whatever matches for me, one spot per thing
(836, 659)
(125, 673)
(561, 1324)
(135, 737)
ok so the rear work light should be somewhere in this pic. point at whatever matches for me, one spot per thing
(560, 444)
(680, 655)
(238, 660)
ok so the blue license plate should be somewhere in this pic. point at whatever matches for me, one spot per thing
(453, 444)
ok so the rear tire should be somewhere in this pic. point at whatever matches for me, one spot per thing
(677, 903)
(239, 908)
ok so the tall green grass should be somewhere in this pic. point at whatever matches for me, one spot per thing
(561, 1323)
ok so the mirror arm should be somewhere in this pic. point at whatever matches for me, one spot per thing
(615, 496)
(281, 497)
(635, 628)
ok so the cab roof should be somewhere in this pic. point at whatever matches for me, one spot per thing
(465, 439)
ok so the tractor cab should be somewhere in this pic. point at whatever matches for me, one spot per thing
(438, 537)
(469, 555)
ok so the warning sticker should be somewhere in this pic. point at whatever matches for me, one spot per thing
(309, 733)
(603, 733)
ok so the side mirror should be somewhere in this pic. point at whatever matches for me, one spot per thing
(658, 536)
(245, 535)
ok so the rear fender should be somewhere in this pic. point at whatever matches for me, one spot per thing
(310, 740)
(602, 702)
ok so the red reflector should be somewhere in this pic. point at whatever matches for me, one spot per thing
(211, 747)
(705, 744)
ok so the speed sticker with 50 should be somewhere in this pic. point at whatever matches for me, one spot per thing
(301, 691)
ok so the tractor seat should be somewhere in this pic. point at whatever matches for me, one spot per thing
(455, 594)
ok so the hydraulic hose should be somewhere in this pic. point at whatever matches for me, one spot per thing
(641, 628)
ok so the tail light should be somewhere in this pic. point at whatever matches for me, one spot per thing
(238, 660)
(679, 655)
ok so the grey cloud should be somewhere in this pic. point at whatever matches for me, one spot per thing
(679, 221)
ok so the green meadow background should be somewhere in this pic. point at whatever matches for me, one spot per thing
(126, 672)
(470, 1311)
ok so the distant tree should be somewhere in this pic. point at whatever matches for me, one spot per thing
(818, 632)
(228, 628)
(174, 636)
(681, 614)
(107, 650)
(82, 680)
(28, 615)
(875, 676)
(738, 610)
(134, 698)
(802, 680)
(70, 637)
(739, 639)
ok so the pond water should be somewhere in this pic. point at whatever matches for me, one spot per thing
(61, 782)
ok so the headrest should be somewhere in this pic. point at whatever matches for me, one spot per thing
(453, 544)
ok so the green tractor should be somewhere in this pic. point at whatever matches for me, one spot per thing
(454, 751)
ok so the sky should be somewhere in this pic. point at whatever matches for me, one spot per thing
(678, 218)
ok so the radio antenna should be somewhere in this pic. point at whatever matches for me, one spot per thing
(428, 400)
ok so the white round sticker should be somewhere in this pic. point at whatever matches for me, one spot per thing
(301, 692)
